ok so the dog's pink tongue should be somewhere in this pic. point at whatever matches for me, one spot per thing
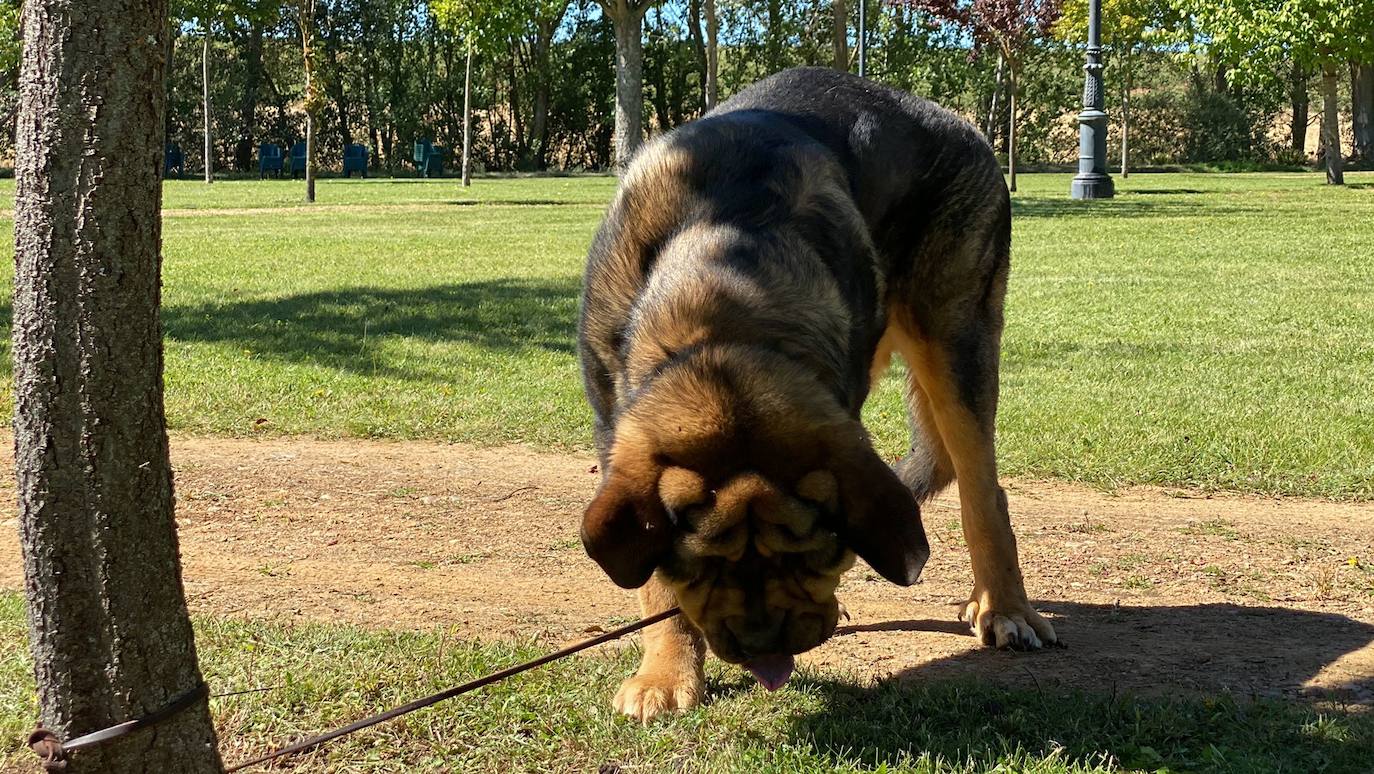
(771, 671)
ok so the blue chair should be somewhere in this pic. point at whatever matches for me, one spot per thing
(173, 161)
(428, 158)
(269, 159)
(355, 160)
(298, 159)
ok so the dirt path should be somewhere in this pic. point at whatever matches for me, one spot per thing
(1151, 591)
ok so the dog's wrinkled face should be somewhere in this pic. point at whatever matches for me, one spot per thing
(754, 565)
(749, 491)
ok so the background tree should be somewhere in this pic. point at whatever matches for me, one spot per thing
(1362, 108)
(1009, 27)
(628, 18)
(109, 631)
(305, 10)
(839, 34)
(1258, 35)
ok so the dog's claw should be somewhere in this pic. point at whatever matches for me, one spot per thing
(1007, 627)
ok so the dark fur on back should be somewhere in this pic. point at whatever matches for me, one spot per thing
(913, 177)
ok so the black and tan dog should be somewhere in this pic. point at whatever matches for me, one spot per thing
(753, 277)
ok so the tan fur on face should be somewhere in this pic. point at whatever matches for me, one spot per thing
(738, 457)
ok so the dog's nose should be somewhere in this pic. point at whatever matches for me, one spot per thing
(756, 635)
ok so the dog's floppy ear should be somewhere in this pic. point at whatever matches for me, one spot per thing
(626, 529)
(882, 522)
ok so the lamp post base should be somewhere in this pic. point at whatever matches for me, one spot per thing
(1092, 185)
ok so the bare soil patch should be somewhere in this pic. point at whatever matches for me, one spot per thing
(1152, 591)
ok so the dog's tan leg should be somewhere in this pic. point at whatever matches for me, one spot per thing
(670, 677)
(998, 610)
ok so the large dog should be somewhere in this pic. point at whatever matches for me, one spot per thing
(752, 279)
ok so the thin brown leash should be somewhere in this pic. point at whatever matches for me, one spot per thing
(404, 709)
(52, 752)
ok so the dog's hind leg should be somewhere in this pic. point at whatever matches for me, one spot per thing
(670, 676)
(955, 387)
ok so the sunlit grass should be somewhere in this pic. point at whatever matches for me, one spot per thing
(1202, 331)
(559, 718)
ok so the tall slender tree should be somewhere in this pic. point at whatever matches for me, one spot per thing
(712, 55)
(109, 631)
(839, 34)
(1008, 27)
(306, 15)
(1362, 109)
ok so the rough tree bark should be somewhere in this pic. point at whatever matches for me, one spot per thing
(839, 34)
(1331, 128)
(110, 636)
(628, 18)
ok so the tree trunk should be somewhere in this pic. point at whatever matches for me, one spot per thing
(330, 40)
(629, 79)
(110, 636)
(1297, 96)
(369, 83)
(311, 98)
(698, 46)
(252, 79)
(1013, 80)
(839, 34)
(467, 118)
(205, 102)
(1362, 109)
(543, 77)
(991, 131)
(656, 78)
(1331, 128)
(774, 40)
(712, 33)
(1125, 116)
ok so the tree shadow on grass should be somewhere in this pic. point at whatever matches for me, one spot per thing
(1199, 687)
(1124, 206)
(350, 328)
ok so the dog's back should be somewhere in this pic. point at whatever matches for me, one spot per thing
(876, 183)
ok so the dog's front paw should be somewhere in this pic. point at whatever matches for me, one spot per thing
(1006, 621)
(650, 694)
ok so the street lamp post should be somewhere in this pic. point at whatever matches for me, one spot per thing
(1092, 180)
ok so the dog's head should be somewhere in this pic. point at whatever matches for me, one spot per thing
(749, 489)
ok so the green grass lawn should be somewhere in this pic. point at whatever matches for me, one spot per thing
(559, 718)
(1203, 331)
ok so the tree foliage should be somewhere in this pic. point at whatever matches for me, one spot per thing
(389, 72)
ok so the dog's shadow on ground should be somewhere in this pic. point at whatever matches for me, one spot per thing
(1135, 683)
